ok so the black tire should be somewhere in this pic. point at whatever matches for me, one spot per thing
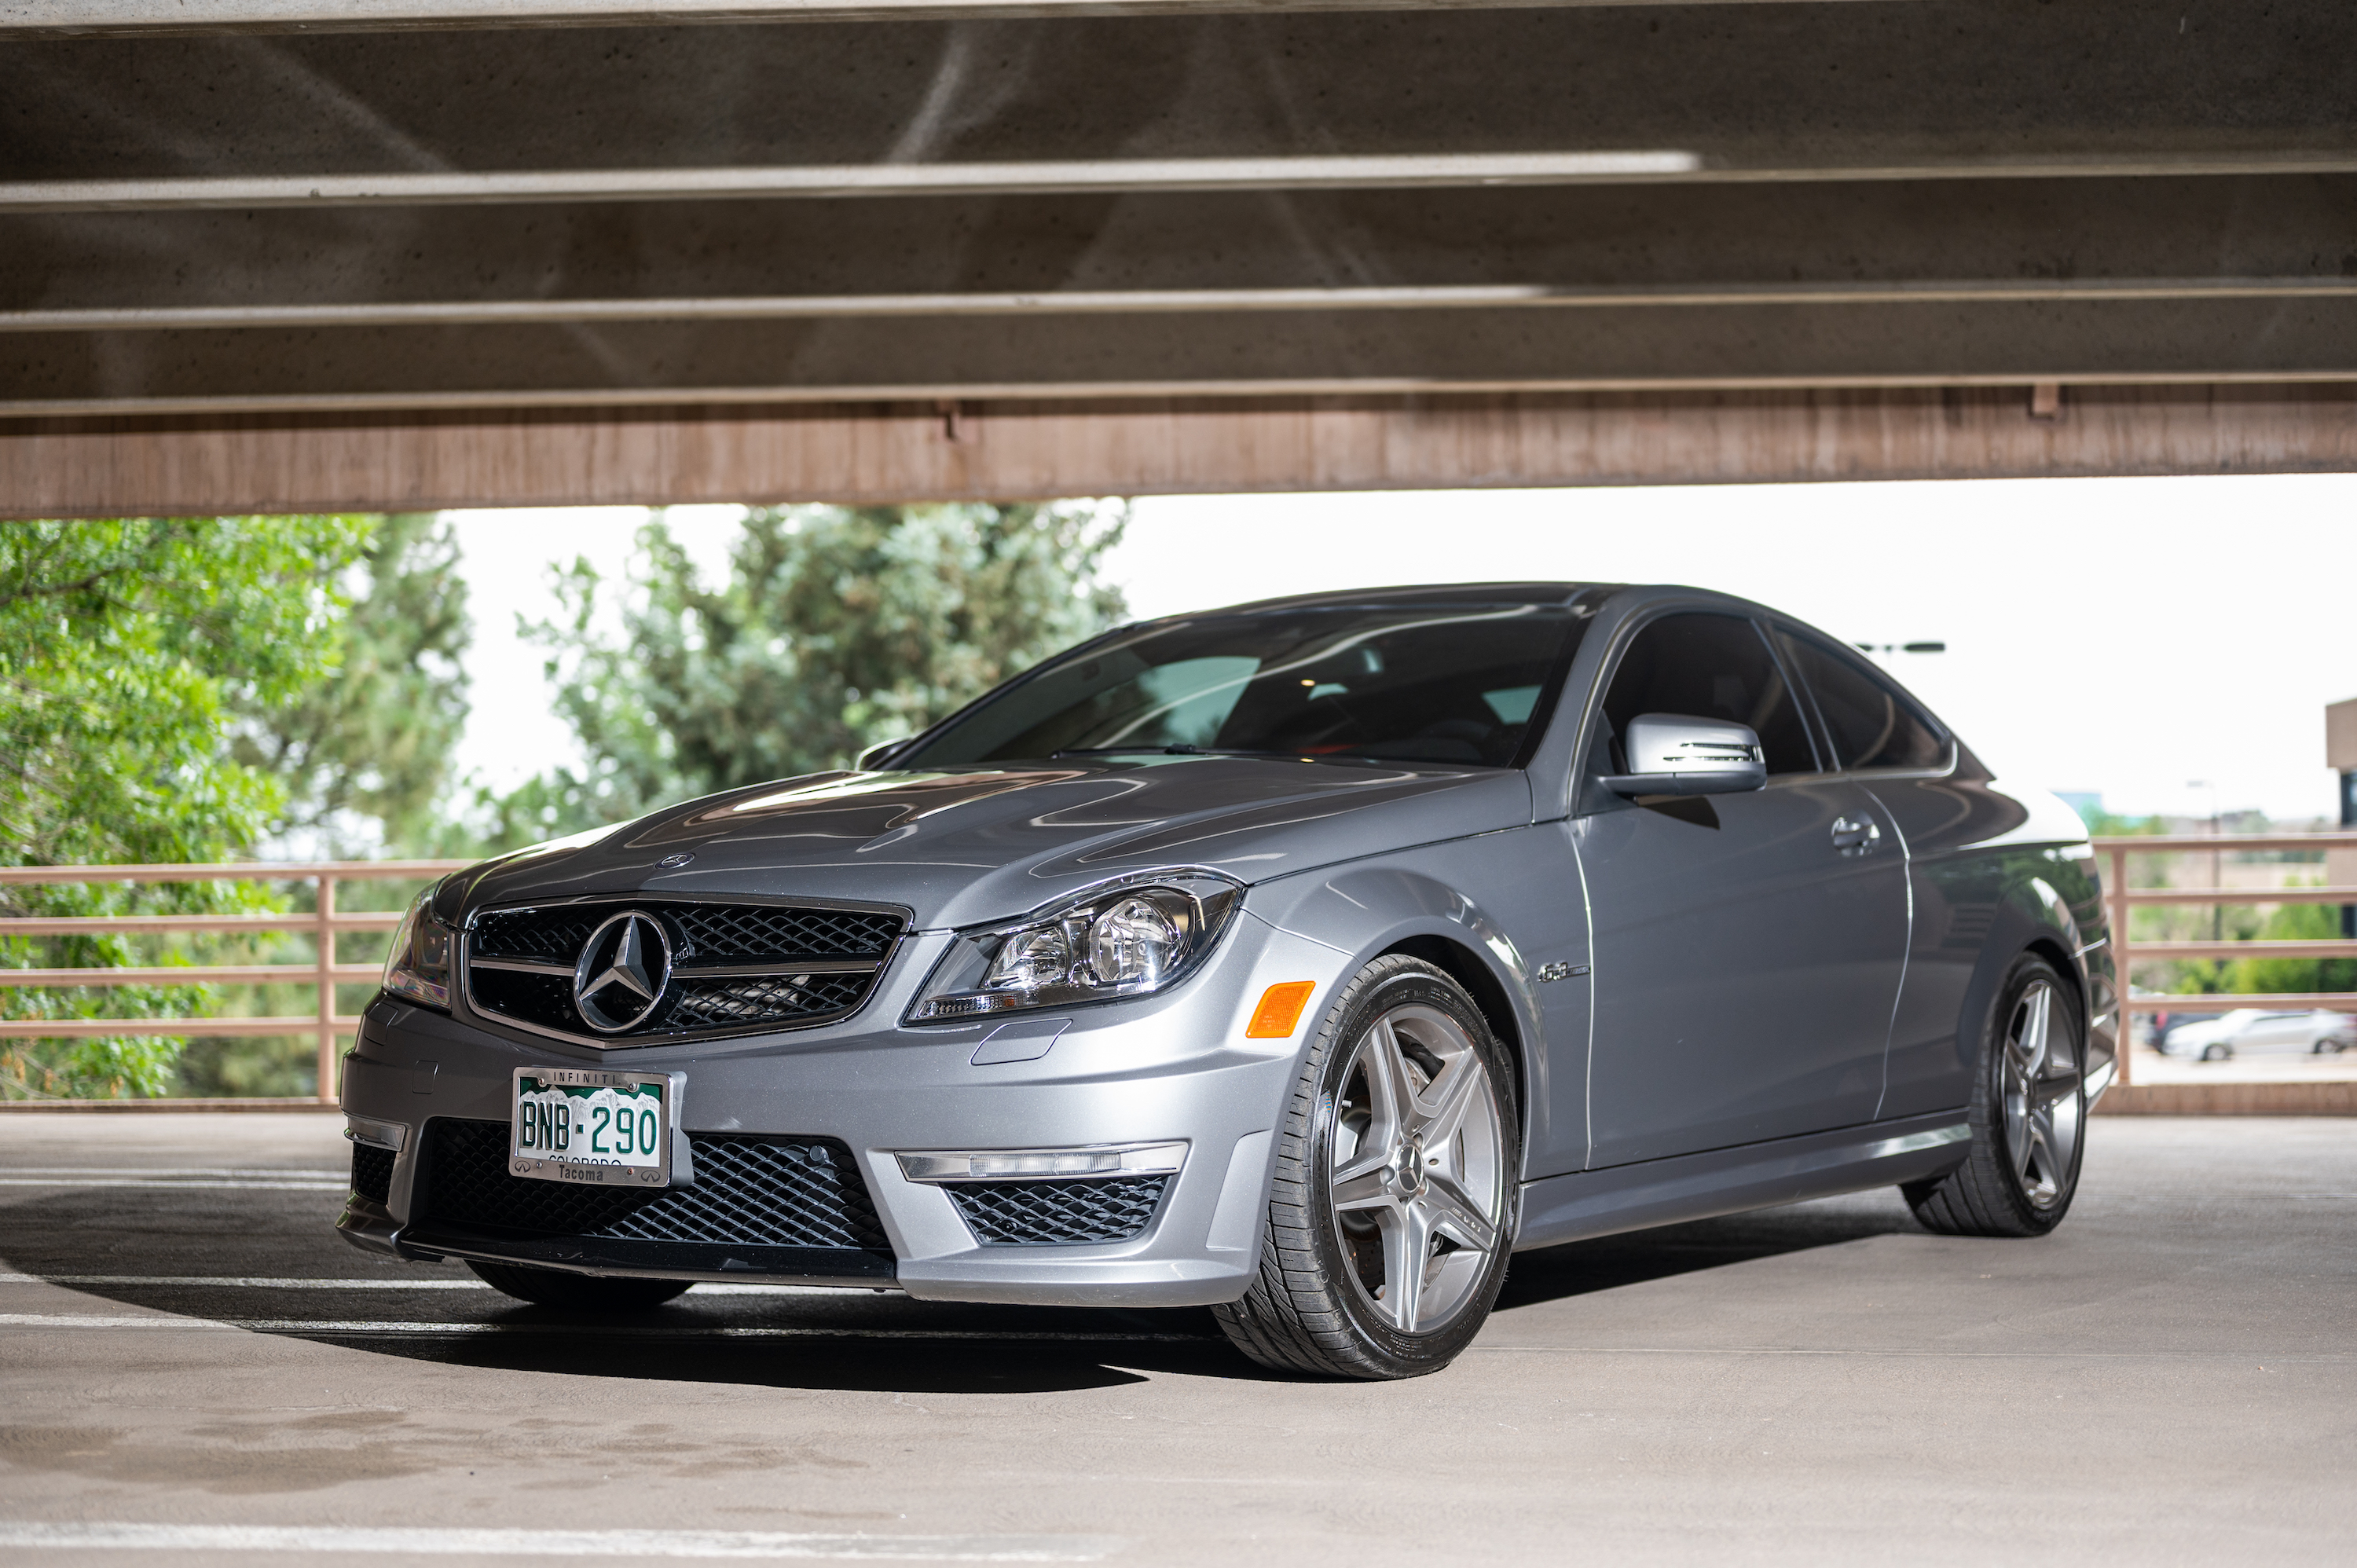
(1309, 1309)
(578, 1293)
(2217, 1052)
(2001, 1189)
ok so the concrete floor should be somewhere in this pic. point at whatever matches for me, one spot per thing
(2171, 1378)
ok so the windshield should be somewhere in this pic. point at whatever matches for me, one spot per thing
(1452, 684)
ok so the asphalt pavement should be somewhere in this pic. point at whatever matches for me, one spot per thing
(194, 1369)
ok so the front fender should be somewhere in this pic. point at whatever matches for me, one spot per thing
(1366, 911)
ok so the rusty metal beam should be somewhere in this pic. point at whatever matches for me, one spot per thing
(885, 452)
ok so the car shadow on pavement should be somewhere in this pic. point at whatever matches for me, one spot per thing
(1633, 1257)
(162, 1250)
(151, 1249)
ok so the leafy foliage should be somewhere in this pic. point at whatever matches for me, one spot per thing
(128, 650)
(2295, 922)
(367, 757)
(836, 628)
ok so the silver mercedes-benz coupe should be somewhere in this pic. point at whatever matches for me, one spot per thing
(1303, 960)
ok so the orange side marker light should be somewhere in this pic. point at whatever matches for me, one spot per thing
(1279, 1010)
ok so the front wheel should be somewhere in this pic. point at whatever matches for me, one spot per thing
(2216, 1053)
(1397, 1175)
(2028, 1111)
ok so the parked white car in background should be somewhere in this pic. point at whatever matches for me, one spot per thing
(2249, 1032)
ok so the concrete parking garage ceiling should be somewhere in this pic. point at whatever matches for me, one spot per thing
(1079, 245)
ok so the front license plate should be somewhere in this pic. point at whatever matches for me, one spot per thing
(583, 1124)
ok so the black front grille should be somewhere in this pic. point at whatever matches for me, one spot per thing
(1057, 1213)
(754, 933)
(544, 936)
(373, 1173)
(751, 1190)
(700, 934)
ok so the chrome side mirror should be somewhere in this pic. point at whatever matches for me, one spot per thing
(1672, 754)
(879, 755)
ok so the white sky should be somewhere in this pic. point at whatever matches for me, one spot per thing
(2123, 636)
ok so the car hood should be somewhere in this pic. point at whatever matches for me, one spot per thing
(961, 848)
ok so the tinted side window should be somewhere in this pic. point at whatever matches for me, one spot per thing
(1872, 724)
(1714, 666)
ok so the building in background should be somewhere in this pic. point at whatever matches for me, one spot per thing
(2341, 753)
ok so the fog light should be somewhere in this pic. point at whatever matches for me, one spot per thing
(376, 1134)
(1003, 1165)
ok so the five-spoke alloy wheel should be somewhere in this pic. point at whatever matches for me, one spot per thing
(1415, 1183)
(2043, 1106)
(1393, 1205)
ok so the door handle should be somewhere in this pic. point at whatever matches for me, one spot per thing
(1858, 836)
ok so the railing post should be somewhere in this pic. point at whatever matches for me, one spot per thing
(2120, 907)
(326, 928)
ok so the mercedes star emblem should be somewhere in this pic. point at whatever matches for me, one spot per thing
(622, 972)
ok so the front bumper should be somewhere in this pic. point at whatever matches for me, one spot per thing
(1173, 1068)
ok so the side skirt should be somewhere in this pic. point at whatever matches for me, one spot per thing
(1728, 1181)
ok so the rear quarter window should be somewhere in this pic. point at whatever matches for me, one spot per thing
(1872, 723)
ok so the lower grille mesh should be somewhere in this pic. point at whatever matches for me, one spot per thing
(750, 1190)
(760, 999)
(1057, 1213)
(373, 1173)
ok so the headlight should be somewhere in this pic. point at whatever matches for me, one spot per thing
(418, 967)
(1128, 939)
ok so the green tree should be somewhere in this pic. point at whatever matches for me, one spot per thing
(2295, 922)
(367, 757)
(129, 649)
(836, 628)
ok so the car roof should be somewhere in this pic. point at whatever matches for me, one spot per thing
(1438, 595)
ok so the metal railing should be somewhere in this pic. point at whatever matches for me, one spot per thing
(324, 924)
(2125, 897)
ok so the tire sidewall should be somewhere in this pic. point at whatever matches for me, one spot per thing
(1355, 1010)
(2028, 968)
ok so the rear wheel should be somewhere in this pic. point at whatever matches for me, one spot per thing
(1396, 1180)
(2027, 1115)
(577, 1293)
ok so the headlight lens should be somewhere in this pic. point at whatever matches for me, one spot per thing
(1130, 939)
(418, 967)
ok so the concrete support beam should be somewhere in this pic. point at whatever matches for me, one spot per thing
(136, 18)
(1011, 450)
(2054, 237)
(1928, 88)
(1255, 353)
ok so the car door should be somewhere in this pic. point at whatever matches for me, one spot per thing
(1882, 741)
(2273, 1032)
(1749, 946)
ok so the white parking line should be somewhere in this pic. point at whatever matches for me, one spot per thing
(341, 1328)
(191, 1185)
(290, 1172)
(239, 1281)
(733, 1543)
